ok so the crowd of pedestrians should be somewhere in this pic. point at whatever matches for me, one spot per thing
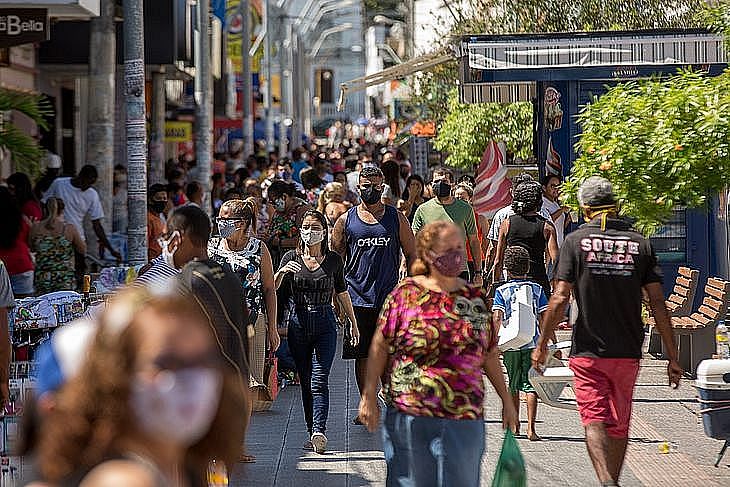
(341, 237)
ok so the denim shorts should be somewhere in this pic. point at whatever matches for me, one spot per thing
(423, 451)
(22, 283)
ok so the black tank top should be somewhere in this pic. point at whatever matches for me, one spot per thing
(529, 232)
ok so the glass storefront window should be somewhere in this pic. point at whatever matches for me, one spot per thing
(670, 241)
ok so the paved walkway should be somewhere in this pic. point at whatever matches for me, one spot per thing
(355, 457)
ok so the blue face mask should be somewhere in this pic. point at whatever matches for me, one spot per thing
(280, 204)
(226, 228)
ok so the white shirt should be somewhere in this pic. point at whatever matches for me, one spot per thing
(551, 207)
(505, 213)
(77, 203)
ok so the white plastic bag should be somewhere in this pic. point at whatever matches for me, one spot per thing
(519, 329)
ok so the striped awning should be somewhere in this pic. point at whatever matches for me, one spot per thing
(504, 68)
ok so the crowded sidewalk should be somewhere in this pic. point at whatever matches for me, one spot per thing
(356, 458)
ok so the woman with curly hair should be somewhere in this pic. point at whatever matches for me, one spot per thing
(434, 341)
(530, 230)
(332, 202)
(152, 404)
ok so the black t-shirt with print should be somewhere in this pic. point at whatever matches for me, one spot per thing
(314, 287)
(608, 269)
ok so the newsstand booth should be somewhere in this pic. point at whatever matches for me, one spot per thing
(560, 73)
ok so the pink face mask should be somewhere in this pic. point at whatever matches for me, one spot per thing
(450, 263)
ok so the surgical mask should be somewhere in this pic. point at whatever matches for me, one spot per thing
(179, 405)
(441, 188)
(167, 254)
(312, 237)
(450, 263)
(226, 228)
(280, 204)
(371, 195)
(283, 175)
(158, 207)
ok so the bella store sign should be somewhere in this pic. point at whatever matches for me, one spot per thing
(23, 26)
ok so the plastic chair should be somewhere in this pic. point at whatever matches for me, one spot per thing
(555, 377)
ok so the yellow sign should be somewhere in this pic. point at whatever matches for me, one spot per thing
(178, 131)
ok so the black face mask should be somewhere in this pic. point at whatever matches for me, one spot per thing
(441, 188)
(158, 206)
(370, 195)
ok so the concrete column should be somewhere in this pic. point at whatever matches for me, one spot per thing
(247, 115)
(135, 124)
(204, 108)
(157, 133)
(268, 100)
(100, 124)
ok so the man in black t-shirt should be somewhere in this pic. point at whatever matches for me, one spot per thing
(606, 264)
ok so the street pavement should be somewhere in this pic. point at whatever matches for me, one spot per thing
(355, 456)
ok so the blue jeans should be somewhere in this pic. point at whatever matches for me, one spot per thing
(432, 452)
(312, 340)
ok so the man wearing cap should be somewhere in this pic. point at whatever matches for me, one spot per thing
(606, 264)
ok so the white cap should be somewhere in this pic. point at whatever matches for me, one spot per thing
(53, 161)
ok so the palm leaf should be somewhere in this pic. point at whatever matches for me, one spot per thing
(24, 149)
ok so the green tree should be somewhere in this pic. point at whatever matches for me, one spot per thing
(25, 152)
(467, 130)
(660, 142)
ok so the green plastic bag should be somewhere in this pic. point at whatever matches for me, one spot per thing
(510, 471)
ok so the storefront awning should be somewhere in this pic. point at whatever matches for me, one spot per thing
(402, 70)
(505, 66)
(76, 9)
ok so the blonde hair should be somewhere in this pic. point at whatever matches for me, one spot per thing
(425, 242)
(246, 209)
(55, 210)
(325, 197)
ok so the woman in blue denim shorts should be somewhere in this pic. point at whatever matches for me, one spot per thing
(308, 276)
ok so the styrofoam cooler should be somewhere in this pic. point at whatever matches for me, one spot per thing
(713, 386)
(519, 329)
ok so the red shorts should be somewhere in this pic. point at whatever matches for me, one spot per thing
(604, 389)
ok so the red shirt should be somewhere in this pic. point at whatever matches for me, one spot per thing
(32, 209)
(17, 258)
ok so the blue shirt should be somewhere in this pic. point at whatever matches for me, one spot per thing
(297, 167)
(506, 294)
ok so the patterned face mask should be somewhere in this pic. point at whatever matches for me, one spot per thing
(450, 263)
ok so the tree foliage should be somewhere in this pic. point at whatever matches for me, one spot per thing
(24, 149)
(468, 129)
(660, 142)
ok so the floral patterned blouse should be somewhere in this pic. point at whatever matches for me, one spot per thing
(55, 264)
(437, 346)
(246, 264)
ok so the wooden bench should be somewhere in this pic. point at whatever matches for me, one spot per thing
(695, 333)
(679, 303)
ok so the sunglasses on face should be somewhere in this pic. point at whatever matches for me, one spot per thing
(366, 187)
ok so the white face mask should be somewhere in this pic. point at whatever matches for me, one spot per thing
(179, 405)
(312, 237)
(167, 254)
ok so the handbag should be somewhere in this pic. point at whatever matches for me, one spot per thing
(265, 394)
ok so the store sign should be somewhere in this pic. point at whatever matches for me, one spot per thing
(178, 131)
(23, 26)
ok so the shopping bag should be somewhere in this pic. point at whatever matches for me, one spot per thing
(510, 471)
(519, 329)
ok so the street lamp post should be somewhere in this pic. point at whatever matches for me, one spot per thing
(204, 137)
(246, 112)
(134, 77)
(268, 98)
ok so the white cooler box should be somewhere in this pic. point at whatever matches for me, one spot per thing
(713, 386)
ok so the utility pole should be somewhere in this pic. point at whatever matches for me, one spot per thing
(136, 134)
(283, 140)
(247, 116)
(157, 132)
(100, 111)
(268, 100)
(204, 135)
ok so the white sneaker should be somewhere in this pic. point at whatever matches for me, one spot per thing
(319, 441)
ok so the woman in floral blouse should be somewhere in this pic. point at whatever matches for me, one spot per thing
(435, 339)
(249, 258)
